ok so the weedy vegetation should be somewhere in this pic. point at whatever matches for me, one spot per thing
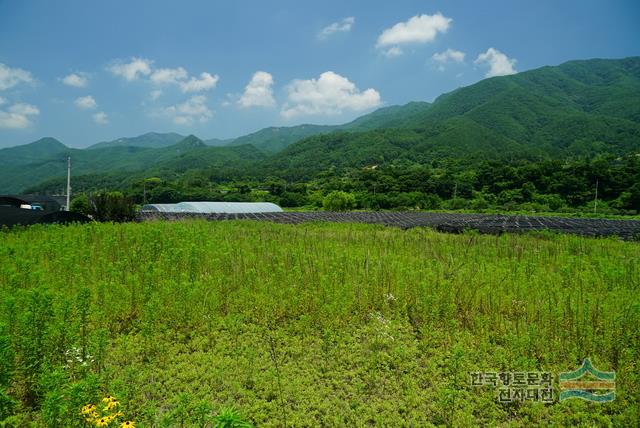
(256, 324)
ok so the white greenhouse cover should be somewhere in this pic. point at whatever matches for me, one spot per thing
(214, 207)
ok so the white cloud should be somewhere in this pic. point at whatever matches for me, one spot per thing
(101, 118)
(163, 76)
(329, 94)
(10, 77)
(259, 91)
(393, 52)
(24, 109)
(86, 103)
(18, 116)
(343, 26)
(78, 80)
(155, 94)
(204, 83)
(417, 30)
(450, 55)
(140, 67)
(499, 63)
(133, 69)
(3, 101)
(192, 110)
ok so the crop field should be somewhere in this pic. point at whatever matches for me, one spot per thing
(445, 222)
(314, 324)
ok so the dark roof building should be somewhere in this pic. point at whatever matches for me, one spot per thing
(43, 202)
(31, 209)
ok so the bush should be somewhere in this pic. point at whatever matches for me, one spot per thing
(80, 204)
(339, 201)
(111, 206)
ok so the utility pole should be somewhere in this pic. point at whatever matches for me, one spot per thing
(595, 200)
(68, 183)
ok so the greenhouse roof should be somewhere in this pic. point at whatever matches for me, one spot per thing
(214, 207)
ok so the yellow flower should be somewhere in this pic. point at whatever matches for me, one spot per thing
(102, 422)
(108, 399)
(89, 408)
(128, 424)
(112, 405)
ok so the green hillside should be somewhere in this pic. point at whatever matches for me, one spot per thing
(581, 108)
(117, 161)
(578, 109)
(32, 152)
(151, 140)
(275, 139)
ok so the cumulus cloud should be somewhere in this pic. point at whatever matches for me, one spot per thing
(343, 26)
(78, 80)
(393, 51)
(191, 111)
(164, 76)
(499, 64)
(259, 91)
(447, 57)
(450, 55)
(133, 69)
(101, 118)
(204, 83)
(3, 101)
(155, 94)
(86, 103)
(10, 77)
(140, 67)
(417, 30)
(18, 116)
(327, 95)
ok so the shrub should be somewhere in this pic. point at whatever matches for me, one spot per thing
(339, 201)
(111, 206)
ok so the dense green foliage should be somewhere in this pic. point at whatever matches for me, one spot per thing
(525, 186)
(106, 206)
(309, 325)
(339, 201)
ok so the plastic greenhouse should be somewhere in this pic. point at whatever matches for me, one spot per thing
(214, 207)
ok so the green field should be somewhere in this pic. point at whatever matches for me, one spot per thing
(309, 325)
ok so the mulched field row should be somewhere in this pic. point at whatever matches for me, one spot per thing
(444, 222)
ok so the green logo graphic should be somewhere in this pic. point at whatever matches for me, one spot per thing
(601, 389)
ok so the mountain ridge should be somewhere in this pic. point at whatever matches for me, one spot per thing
(579, 108)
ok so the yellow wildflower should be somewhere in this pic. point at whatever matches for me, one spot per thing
(89, 408)
(102, 422)
(112, 405)
(128, 424)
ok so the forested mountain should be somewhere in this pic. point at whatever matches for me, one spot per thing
(152, 140)
(275, 139)
(32, 152)
(113, 161)
(579, 109)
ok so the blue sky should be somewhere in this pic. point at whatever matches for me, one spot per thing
(89, 71)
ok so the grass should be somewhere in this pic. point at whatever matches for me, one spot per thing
(309, 325)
